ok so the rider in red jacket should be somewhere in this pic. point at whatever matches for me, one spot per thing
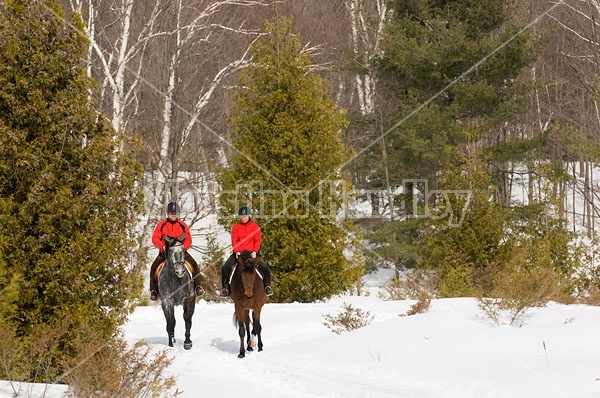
(174, 227)
(245, 235)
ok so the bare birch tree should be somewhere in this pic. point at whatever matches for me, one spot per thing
(159, 67)
(184, 134)
(367, 20)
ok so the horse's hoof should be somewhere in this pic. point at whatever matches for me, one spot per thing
(187, 346)
(249, 348)
(242, 356)
(259, 349)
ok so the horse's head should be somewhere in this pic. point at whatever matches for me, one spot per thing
(176, 254)
(249, 272)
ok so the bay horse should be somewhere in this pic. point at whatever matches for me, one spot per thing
(248, 294)
(176, 287)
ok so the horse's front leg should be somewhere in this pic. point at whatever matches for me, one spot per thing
(250, 346)
(256, 329)
(170, 318)
(188, 312)
(241, 332)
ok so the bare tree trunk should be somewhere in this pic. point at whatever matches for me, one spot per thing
(374, 199)
(592, 205)
(574, 198)
(365, 45)
(588, 199)
(124, 35)
(366, 41)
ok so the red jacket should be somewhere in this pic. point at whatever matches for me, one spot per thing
(246, 236)
(173, 229)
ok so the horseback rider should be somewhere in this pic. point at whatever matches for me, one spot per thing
(174, 227)
(245, 235)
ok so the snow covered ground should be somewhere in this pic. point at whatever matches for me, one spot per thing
(450, 351)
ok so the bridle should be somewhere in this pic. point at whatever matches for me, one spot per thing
(176, 258)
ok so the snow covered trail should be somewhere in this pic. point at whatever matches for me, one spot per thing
(451, 351)
(289, 366)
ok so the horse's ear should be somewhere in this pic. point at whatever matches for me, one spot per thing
(168, 240)
(182, 238)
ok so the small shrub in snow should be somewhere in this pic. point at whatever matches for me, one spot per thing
(98, 368)
(395, 289)
(518, 289)
(349, 319)
(421, 306)
(115, 369)
(412, 284)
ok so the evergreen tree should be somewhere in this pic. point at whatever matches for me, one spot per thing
(449, 78)
(69, 197)
(450, 67)
(469, 251)
(492, 245)
(289, 151)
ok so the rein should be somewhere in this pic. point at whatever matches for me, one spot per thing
(233, 272)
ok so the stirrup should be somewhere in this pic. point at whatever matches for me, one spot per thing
(199, 291)
(153, 295)
(268, 291)
(224, 292)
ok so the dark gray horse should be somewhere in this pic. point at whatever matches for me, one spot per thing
(176, 287)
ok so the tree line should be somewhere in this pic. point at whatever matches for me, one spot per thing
(167, 77)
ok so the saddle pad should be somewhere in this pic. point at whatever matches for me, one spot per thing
(188, 266)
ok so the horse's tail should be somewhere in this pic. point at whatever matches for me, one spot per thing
(236, 321)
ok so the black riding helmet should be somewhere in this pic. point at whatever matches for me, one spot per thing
(172, 207)
(244, 211)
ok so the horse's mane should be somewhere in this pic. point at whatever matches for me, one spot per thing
(246, 259)
(246, 255)
(172, 242)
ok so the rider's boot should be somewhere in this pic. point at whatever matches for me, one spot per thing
(225, 290)
(153, 280)
(153, 289)
(225, 274)
(266, 272)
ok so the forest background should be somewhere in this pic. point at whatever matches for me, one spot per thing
(511, 84)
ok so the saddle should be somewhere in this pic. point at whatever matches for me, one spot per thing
(188, 266)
